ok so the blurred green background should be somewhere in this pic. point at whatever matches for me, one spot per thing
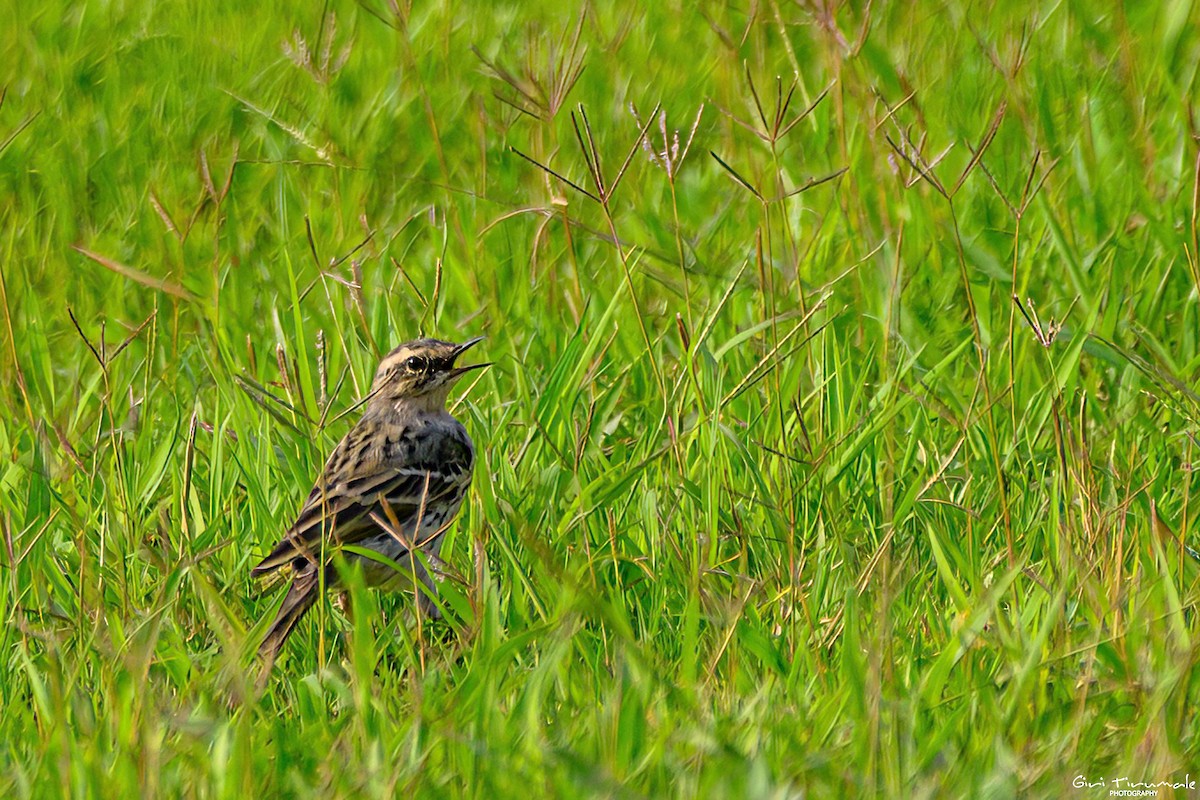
(839, 441)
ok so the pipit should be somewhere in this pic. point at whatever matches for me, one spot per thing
(393, 485)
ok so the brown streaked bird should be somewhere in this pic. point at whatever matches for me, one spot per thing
(392, 485)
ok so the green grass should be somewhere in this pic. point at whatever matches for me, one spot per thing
(782, 495)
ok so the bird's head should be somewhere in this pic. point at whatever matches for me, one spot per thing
(421, 371)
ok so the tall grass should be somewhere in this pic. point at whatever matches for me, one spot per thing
(839, 441)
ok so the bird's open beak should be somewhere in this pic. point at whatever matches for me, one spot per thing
(462, 348)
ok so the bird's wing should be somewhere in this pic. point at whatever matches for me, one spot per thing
(360, 480)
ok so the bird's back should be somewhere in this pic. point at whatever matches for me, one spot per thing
(392, 467)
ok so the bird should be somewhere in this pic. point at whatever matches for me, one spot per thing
(393, 485)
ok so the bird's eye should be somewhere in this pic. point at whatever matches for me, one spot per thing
(416, 364)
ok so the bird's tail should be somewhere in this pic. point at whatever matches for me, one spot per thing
(301, 596)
